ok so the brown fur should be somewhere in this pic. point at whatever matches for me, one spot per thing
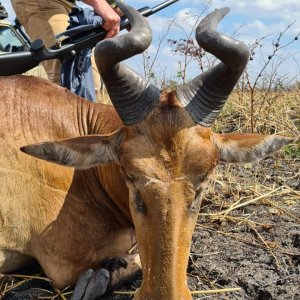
(71, 219)
(48, 209)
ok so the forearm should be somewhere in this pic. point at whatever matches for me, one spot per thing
(101, 7)
(89, 2)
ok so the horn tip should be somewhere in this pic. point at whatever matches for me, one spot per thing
(220, 13)
(225, 10)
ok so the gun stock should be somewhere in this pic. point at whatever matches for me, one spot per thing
(17, 63)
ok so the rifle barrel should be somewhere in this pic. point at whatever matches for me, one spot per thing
(163, 5)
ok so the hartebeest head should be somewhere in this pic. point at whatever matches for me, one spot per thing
(165, 150)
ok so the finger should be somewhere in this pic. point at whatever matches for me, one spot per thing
(113, 25)
(111, 33)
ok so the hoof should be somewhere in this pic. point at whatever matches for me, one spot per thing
(91, 285)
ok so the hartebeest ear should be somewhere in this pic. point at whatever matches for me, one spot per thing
(81, 152)
(244, 148)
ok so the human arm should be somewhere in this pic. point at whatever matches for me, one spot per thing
(111, 16)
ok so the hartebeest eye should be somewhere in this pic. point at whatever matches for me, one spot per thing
(139, 204)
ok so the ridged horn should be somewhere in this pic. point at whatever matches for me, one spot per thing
(205, 96)
(131, 95)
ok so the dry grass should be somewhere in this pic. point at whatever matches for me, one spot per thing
(276, 112)
(103, 97)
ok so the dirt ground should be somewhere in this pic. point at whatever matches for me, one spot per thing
(254, 246)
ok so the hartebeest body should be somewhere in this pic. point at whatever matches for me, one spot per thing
(138, 169)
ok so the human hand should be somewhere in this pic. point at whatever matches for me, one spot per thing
(111, 21)
(111, 17)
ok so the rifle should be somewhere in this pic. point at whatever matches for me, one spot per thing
(20, 62)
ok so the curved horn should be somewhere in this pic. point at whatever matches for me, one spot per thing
(130, 94)
(205, 96)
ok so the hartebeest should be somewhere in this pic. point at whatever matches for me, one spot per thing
(138, 168)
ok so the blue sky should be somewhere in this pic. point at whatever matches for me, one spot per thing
(251, 19)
